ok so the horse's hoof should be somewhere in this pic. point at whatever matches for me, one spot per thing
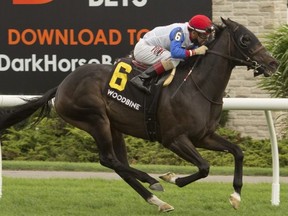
(157, 187)
(165, 208)
(235, 200)
(162, 206)
(169, 177)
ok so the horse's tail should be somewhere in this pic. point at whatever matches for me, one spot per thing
(12, 115)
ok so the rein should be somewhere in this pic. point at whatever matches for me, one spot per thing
(247, 62)
(194, 65)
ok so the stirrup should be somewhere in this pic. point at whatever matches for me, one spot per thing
(139, 83)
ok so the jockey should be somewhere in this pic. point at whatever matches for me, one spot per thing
(165, 46)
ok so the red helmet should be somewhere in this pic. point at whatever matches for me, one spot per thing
(200, 23)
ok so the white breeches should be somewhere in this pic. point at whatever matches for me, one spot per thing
(149, 55)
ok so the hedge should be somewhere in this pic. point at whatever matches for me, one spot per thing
(54, 140)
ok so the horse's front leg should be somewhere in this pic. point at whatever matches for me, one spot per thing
(184, 148)
(215, 142)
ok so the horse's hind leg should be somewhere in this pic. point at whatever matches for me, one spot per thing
(98, 127)
(121, 153)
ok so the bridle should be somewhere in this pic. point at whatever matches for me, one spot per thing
(251, 64)
(247, 62)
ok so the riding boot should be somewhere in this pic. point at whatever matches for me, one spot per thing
(142, 81)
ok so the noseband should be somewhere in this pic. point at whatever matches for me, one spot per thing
(248, 61)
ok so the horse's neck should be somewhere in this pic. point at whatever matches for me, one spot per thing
(213, 72)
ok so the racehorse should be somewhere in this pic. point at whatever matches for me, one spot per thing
(187, 116)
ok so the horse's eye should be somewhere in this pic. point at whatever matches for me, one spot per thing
(244, 41)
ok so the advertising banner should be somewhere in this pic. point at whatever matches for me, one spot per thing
(42, 41)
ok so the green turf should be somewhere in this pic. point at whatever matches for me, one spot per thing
(61, 197)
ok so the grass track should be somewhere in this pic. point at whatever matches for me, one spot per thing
(85, 197)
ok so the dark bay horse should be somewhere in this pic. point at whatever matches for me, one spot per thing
(187, 115)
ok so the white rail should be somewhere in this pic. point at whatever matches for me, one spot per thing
(265, 104)
(14, 100)
(255, 103)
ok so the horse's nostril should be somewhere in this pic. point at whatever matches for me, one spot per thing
(274, 64)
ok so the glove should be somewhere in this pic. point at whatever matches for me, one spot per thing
(200, 50)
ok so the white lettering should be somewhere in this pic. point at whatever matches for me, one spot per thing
(27, 62)
(64, 65)
(94, 61)
(51, 62)
(106, 59)
(110, 92)
(123, 99)
(48, 63)
(140, 3)
(116, 3)
(125, 3)
(73, 64)
(4, 59)
(95, 3)
(18, 62)
(83, 61)
(36, 63)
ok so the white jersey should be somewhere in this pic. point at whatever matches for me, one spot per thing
(156, 44)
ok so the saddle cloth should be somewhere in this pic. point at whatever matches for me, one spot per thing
(121, 90)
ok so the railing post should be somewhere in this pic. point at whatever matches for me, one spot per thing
(275, 200)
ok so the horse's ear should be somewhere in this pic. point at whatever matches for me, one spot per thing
(229, 23)
(223, 20)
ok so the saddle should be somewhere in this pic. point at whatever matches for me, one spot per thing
(121, 90)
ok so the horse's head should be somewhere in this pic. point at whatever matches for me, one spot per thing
(253, 53)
